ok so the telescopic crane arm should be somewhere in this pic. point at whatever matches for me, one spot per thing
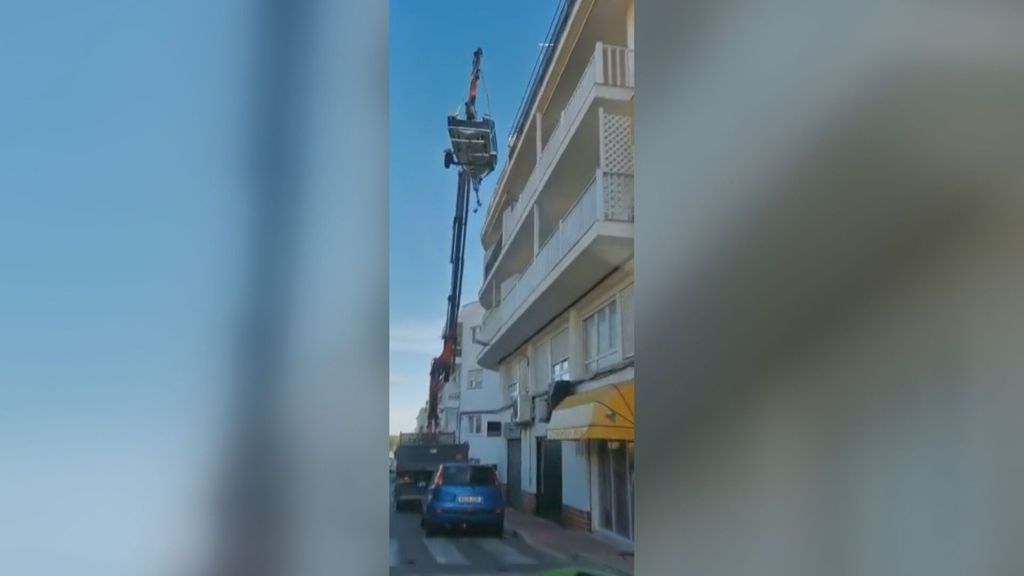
(474, 151)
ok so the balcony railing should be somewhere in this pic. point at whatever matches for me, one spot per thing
(491, 256)
(608, 66)
(609, 196)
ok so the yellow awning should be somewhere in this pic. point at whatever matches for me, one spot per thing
(606, 413)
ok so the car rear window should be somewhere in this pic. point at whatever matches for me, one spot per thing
(470, 476)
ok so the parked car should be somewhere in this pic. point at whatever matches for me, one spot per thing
(464, 496)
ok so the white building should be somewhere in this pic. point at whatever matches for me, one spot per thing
(484, 409)
(421, 419)
(558, 274)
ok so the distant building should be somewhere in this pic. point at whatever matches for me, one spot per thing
(484, 409)
(421, 419)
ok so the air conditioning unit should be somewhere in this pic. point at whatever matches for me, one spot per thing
(559, 390)
(523, 411)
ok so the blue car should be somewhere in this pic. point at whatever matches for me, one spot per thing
(464, 496)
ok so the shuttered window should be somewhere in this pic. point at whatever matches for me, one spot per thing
(541, 364)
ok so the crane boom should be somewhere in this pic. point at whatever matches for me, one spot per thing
(474, 151)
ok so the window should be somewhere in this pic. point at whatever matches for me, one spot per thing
(473, 423)
(470, 475)
(560, 370)
(601, 345)
(523, 372)
(475, 379)
(511, 374)
(559, 365)
(628, 320)
(458, 341)
(513, 395)
(494, 428)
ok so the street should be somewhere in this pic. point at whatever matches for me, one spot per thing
(412, 553)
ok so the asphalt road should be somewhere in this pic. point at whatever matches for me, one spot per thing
(412, 553)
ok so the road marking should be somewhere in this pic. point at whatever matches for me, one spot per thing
(444, 551)
(393, 553)
(506, 554)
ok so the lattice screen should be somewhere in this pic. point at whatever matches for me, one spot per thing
(617, 143)
(618, 197)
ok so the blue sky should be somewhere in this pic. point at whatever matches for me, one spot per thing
(431, 48)
(119, 231)
(123, 134)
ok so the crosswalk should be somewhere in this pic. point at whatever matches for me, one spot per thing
(505, 554)
(445, 552)
(459, 553)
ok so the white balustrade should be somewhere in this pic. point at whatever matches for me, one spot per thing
(609, 196)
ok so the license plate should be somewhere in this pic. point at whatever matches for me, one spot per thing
(422, 484)
(469, 499)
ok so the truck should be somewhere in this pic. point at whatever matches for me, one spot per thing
(417, 458)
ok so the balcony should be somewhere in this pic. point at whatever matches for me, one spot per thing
(608, 78)
(594, 238)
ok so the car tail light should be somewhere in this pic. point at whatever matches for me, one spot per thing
(405, 479)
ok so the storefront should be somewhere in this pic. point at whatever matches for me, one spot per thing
(615, 495)
(604, 419)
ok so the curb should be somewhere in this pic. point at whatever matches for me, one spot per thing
(524, 536)
(563, 557)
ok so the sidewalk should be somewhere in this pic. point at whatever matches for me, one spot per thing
(567, 545)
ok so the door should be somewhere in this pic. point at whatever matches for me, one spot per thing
(615, 487)
(549, 481)
(514, 461)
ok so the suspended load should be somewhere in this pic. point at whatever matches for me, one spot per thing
(474, 139)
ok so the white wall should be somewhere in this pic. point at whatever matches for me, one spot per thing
(490, 397)
(489, 450)
(630, 19)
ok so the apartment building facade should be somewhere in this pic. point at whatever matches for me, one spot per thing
(557, 293)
